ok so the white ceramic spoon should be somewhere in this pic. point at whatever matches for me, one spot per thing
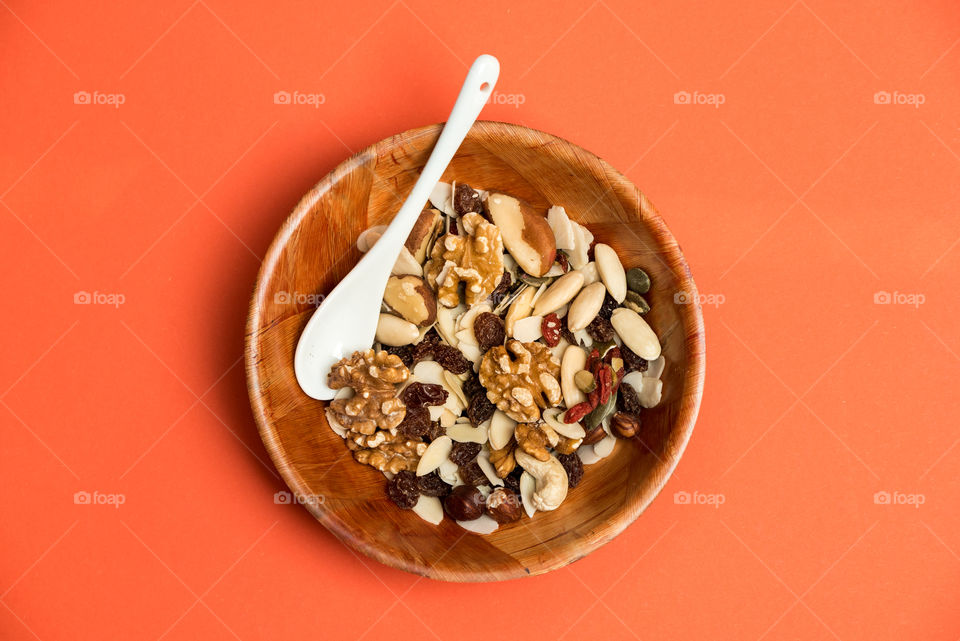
(346, 321)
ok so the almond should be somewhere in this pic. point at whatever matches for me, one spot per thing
(559, 293)
(611, 271)
(394, 331)
(435, 454)
(411, 297)
(526, 234)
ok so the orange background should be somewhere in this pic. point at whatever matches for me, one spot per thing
(798, 201)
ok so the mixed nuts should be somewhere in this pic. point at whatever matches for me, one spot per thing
(511, 351)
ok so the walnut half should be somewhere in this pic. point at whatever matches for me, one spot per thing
(521, 378)
(475, 258)
(373, 377)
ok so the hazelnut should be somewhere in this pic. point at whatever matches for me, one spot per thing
(464, 503)
(594, 435)
(625, 425)
(504, 506)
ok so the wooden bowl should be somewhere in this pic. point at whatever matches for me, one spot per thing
(316, 247)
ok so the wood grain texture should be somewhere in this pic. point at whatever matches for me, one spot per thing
(316, 247)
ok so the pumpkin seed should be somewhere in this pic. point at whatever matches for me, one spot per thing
(636, 302)
(638, 280)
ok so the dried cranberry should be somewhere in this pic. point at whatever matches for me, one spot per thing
(502, 288)
(423, 394)
(472, 474)
(550, 328)
(404, 489)
(600, 329)
(415, 423)
(489, 330)
(465, 199)
(463, 453)
(573, 466)
(609, 304)
(632, 361)
(628, 400)
(432, 485)
(480, 409)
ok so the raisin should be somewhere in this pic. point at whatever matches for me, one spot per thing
(405, 352)
(550, 328)
(465, 199)
(472, 474)
(404, 489)
(450, 358)
(415, 423)
(628, 400)
(500, 293)
(573, 466)
(488, 328)
(463, 453)
(472, 386)
(512, 482)
(600, 329)
(423, 395)
(632, 362)
(432, 485)
(480, 409)
(609, 304)
(564, 262)
(435, 431)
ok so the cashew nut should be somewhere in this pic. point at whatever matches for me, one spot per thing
(550, 477)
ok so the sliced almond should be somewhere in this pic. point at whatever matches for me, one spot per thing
(447, 322)
(527, 487)
(447, 418)
(483, 525)
(553, 418)
(335, 425)
(465, 433)
(582, 239)
(454, 386)
(519, 308)
(562, 227)
(587, 455)
(428, 372)
(590, 273)
(429, 508)
(442, 198)
(436, 411)
(501, 430)
(604, 447)
(483, 460)
(529, 329)
(655, 368)
(435, 454)
(369, 237)
(449, 473)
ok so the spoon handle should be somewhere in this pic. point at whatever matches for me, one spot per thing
(473, 95)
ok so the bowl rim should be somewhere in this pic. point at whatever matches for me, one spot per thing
(662, 469)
